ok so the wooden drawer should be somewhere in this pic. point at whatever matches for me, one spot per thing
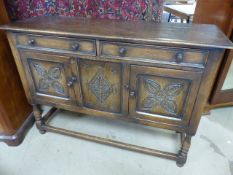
(62, 44)
(156, 54)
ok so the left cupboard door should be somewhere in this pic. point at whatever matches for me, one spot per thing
(52, 78)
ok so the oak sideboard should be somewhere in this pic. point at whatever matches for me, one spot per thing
(158, 75)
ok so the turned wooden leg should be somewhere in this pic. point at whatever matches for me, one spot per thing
(38, 117)
(183, 153)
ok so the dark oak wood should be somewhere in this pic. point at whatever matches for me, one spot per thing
(18, 137)
(223, 97)
(50, 76)
(15, 118)
(186, 57)
(166, 95)
(133, 31)
(218, 12)
(95, 73)
(208, 12)
(146, 73)
(182, 156)
(118, 144)
(70, 45)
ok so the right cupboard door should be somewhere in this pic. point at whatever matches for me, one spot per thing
(162, 95)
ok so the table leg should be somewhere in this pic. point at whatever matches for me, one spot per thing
(38, 117)
(188, 19)
(169, 17)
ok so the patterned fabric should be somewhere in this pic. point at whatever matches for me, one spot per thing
(111, 9)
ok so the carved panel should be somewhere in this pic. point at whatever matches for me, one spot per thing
(101, 85)
(164, 98)
(162, 95)
(48, 77)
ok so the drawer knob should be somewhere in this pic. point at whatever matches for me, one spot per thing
(75, 47)
(31, 42)
(122, 51)
(71, 81)
(126, 86)
(179, 57)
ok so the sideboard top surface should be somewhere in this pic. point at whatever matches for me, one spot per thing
(133, 31)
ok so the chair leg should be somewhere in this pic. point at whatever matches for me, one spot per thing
(183, 153)
(38, 117)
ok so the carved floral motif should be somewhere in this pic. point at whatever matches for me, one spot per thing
(49, 78)
(163, 97)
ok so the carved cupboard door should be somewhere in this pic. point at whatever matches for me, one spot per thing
(102, 87)
(50, 77)
(162, 95)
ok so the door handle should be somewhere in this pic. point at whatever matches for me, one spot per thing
(71, 81)
(132, 93)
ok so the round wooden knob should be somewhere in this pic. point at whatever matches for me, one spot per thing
(71, 81)
(122, 51)
(179, 57)
(75, 47)
(126, 86)
(31, 42)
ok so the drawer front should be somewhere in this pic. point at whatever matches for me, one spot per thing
(74, 45)
(148, 53)
(163, 95)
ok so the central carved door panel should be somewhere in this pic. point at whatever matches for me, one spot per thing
(51, 77)
(102, 86)
(156, 93)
